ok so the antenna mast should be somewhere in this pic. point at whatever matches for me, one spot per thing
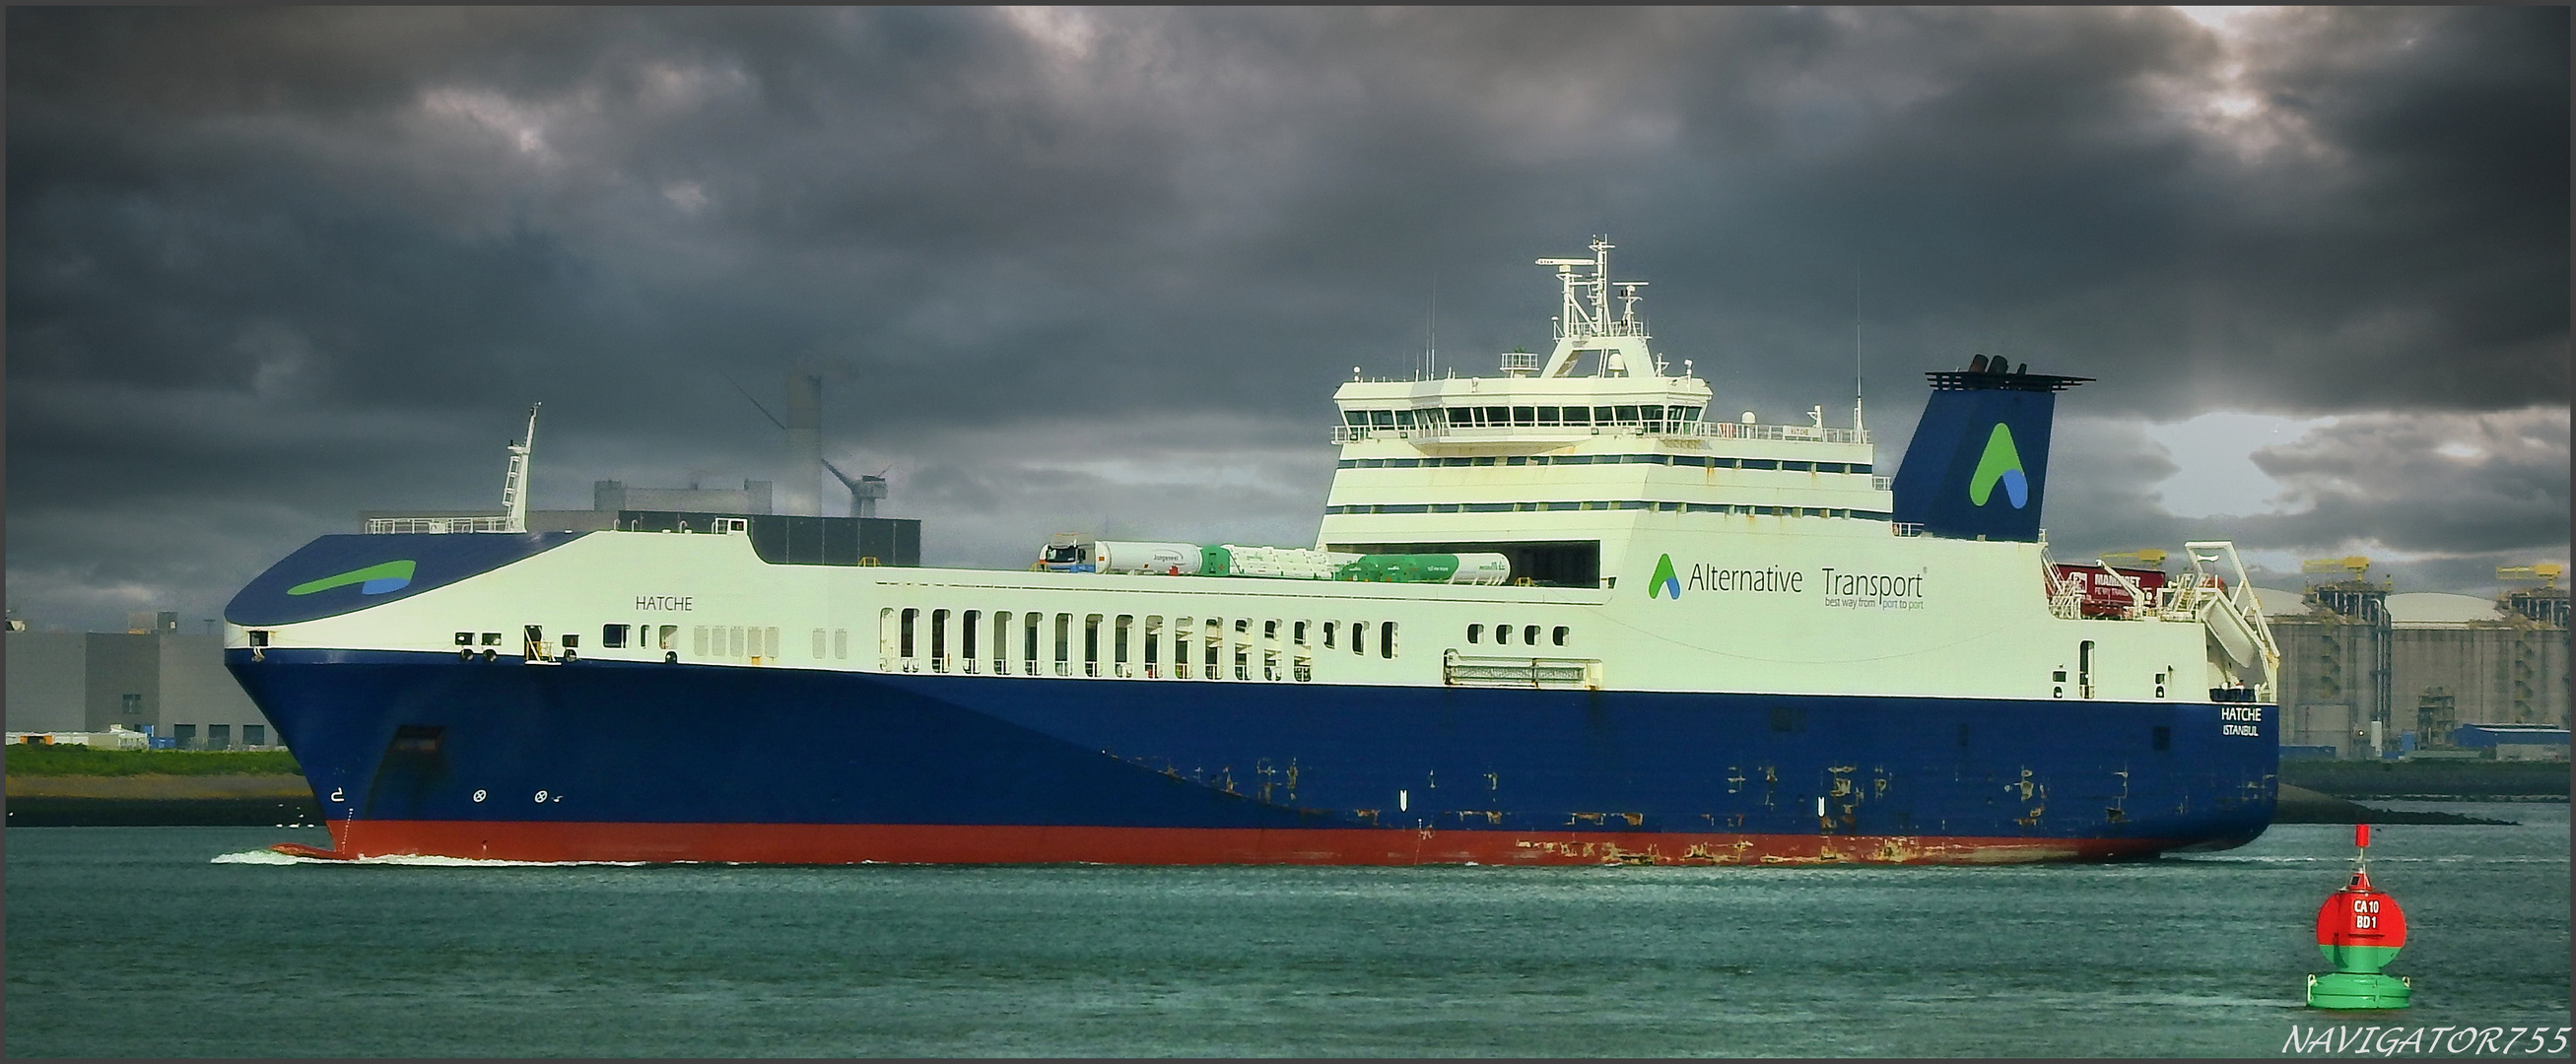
(1856, 348)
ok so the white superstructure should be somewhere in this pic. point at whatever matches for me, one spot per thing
(1653, 549)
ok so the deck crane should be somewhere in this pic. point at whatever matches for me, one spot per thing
(2353, 567)
(2545, 573)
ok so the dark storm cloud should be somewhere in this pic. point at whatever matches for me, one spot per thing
(284, 264)
(2439, 500)
(2437, 483)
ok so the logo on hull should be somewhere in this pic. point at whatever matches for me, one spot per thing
(372, 580)
(1665, 581)
(2000, 464)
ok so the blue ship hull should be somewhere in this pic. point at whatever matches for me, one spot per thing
(595, 760)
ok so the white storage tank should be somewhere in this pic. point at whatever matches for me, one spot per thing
(1130, 556)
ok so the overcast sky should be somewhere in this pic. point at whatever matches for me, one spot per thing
(1101, 270)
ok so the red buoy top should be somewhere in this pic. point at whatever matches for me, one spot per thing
(2359, 915)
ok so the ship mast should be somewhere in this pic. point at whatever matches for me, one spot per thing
(1582, 328)
(514, 488)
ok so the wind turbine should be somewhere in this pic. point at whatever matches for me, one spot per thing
(864, 490)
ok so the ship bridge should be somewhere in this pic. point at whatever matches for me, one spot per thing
(1558, 462)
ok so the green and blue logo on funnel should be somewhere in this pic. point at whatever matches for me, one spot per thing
(372, 580)
(2001, 463)
(1665, 581)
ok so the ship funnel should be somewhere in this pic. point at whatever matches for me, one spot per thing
(1978, 462)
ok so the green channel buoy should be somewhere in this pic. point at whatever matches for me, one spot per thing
(2360, 929)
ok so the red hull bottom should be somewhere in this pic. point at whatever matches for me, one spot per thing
(984, 844)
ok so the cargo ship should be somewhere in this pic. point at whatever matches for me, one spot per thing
(1556, 615)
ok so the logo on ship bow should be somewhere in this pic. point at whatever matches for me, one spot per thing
(372, 580)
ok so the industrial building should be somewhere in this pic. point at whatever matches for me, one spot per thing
(150, 678)
(608, 497)
(2366, 672)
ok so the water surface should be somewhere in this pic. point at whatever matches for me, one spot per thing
(154, 942)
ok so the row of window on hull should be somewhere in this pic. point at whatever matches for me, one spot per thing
(1649, 418)
(1120, 645)
(717, 641)
(1529, 634)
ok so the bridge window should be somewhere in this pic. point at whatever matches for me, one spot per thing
(1578, 415)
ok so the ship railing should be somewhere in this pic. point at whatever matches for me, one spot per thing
(2065, 594)
(1905, 528)
(386, 526)
(1721, 430)
(1882, 483)
(1563, 674)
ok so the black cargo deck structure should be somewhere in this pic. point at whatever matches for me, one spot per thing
(780, 539)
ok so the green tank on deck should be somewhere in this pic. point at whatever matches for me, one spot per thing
(1428, 569)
